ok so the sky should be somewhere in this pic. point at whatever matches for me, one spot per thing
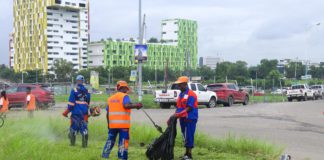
(248, 30)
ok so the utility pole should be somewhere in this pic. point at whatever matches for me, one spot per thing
(139, 59)
(155, 73)
(37, 75)
(166, 75)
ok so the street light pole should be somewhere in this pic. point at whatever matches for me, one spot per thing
(139, 59)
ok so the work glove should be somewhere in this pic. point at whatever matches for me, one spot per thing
(65, 113)
(182, 114)
(139, 105)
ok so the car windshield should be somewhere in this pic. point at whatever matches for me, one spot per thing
(315, 87)
(214, 87)
(175, 87)
(298, 87)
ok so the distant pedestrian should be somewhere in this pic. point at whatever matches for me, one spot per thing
(4, 102)
(30, 103)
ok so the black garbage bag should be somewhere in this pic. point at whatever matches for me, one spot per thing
(162, 147)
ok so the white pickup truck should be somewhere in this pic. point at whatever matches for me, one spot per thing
(300, 92)
(170, 96)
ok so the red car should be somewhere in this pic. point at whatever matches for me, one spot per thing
(17, 95)
(229, 94)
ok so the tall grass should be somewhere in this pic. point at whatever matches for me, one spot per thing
(45, 137)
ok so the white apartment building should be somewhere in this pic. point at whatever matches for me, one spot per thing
(48, 30)
(96, 54)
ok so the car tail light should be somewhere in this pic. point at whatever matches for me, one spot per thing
(175, 94)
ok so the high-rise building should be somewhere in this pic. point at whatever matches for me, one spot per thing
(209, 61)
(46, 30)
(178, 47)
(96, 54)
(11, 51)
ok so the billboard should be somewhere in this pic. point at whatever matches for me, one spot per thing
(94, 79)
(143, 49)
(133, 76)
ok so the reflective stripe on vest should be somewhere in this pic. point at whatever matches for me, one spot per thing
(119, 113)
(118, 116)
(81, 102)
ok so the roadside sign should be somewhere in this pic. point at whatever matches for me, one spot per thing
(196, 78)
(143, 49)
(94, 79)
(306, 77)
(133, 76)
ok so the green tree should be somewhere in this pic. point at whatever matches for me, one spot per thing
(295, 66)
(63, 70)
(153, 40)
(266, 66)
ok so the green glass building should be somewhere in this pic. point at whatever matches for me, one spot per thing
(178, 48)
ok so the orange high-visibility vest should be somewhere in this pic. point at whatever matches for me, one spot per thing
(118, 116)
(5, 104)
(32, 103)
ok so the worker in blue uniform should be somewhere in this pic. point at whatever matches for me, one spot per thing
(187, 112)
(78, 105)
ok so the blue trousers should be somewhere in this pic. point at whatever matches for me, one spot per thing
(78, 124)
(188, 129)
(122, 143)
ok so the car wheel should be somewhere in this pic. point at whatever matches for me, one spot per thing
(212, 103)
(246, 101)
(305, 97)
(165, 105)
(290, 99)
(230, 101)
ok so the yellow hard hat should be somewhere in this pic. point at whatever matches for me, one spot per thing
(182, 79)
(122, 84)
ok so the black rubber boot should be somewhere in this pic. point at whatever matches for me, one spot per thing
(72, 138)
(85, 141)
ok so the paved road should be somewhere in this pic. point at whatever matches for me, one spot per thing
(299, 126)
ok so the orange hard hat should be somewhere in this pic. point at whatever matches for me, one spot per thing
(122, 84)
(182, 79)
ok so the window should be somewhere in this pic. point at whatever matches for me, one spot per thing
(58, 1)
(81, 5)
(12, 90)
(214, 87)
(163, 32)
(193, 87)
(24, 88)
(201, 88)
(231, 86)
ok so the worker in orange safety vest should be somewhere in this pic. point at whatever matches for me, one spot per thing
(119, 120)
(30, 103)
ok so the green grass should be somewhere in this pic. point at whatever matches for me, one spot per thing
(101, 99)
(45, 137)
(268, 98)
(148, 99)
